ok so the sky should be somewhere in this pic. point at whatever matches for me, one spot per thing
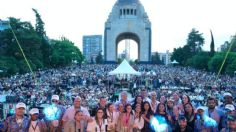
(171, 20)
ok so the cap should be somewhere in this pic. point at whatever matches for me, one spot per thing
(227, 94)
(34, 111)
(201, 108)
(20, 105)
(230, 107)
(170, 99)
(55, 97)
(231, 117)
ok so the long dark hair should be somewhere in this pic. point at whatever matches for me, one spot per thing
(135, 101)
(186, 114)
(140, 113)
(126, 108)
(149, 110)
(158, 107)
(96, 117)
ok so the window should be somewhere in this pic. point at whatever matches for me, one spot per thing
(131, 12)
(124, 13)
(127, 11)
(120, 12)
(135, 12)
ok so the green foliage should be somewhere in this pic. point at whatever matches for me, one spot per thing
(199, 61)
(216, 62)
(193, 46)
(99, 58)
(64, 53)
(119, 60)
(212, 46)
(156, 59)
(195, 41)
(8, 66)
(233, 43)
(231, 68)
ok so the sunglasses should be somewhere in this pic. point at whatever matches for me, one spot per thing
(54, 101)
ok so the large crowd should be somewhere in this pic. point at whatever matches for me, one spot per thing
(86, 98)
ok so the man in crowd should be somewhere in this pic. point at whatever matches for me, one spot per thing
(101, 104)
(123, 100)
(70, 112)
(55, 125)
(214, 113)
(35, 124)
(18, 122)
(182, 125)
(231, 124)
(228, 99)
(144, 95)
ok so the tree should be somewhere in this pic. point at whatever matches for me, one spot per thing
(233, 43)
(156, 58)
(231, 68)
(199, 61)
(195, 41)
(99, 58)
(212, 47)
(64, 53)
(45, 47)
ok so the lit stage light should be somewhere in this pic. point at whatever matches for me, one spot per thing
(52, 112)
(159, 124)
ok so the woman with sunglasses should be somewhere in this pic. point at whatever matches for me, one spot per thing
(99, 124)
(76, 125)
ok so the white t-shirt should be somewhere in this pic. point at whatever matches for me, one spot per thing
(95, 127)
(34, 127)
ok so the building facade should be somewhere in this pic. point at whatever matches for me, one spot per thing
(92, 46)
(4, 25)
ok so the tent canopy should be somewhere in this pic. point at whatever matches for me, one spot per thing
(175, 62)
(124, 68)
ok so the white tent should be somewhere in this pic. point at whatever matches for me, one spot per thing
(124, 68)
(174, 62)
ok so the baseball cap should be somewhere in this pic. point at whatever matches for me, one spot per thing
(201, 108)
(230, 107)
(227, 94)
(55, 97)
(231, 117)
(34, 111)
(20, 105)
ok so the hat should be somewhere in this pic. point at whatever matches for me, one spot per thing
(34, 111)
(55, 97)
(170, 99)
(20, 105)
(230, 107)
(201, 108)
(227, 94)
(231, 117)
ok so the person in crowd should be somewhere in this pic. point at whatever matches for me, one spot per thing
(126, 120)
(138, 119)
(101, 104)
(177, 100)
(112, 117)
(163, 99)
(175, 117)
(70, 112)
(183, 125)
(231, 124)
(18, 122)
(228, 99)
(147, 115)
(56, 124)
(170, 106)
(189, 114)
(99, 124)
(138, 100)
(78, 124)
(120, 108)
(203, 122)
(123, 100)
(35, 124)
(215, 113)
(144, 95)
(154, 102)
